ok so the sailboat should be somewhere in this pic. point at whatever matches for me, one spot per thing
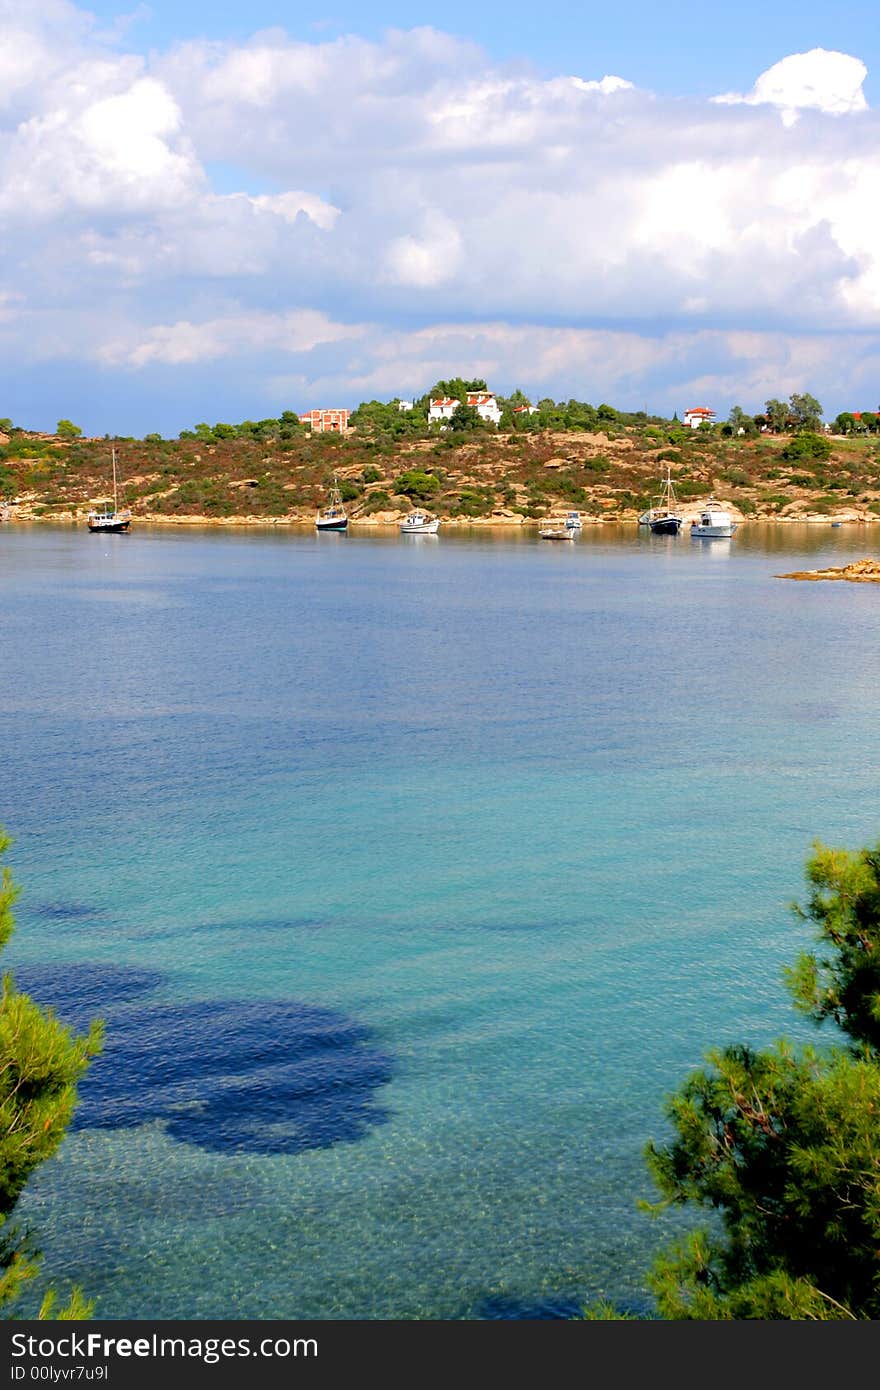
(106, 520)
(333, 517)
(663, 518)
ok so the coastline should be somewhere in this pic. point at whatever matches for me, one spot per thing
(25, 513)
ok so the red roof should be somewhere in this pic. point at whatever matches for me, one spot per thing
(446, 400)
(699, 410)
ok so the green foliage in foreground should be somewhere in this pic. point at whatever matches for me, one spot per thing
(41, 1062)
(784, 1144)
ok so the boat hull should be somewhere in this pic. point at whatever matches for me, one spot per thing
(332, 525)
(712, 533)
(666, 526)
(115, 528)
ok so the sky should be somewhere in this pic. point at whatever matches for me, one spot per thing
(222, 212)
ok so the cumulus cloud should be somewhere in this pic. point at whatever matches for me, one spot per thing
(822, 79)
(444, 189)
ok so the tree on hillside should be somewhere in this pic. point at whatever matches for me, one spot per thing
(456, 386)
(845, 423)
(806, 411)
(784, 1144)
(67, 429)
(385, 418)
(777, 413)
(466, 418)
(41, 1062)
(416, 483)
(740, 422)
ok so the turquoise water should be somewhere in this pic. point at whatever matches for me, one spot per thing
(410, 875)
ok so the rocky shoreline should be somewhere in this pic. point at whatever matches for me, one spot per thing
(859, 572)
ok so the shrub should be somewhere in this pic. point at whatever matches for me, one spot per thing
(416, 483)
(807, 445)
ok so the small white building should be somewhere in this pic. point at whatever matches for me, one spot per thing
(525, 409)
(697, 414)
(405, 405)
(443, 408)
(486, 405)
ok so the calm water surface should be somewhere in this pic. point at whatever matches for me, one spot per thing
(410, 875)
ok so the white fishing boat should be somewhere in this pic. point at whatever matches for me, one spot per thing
(573, 521)
(107, 520)
(420, 524)
(333, 517)
(713, 523)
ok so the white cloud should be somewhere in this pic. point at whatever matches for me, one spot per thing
(822, 80)
(235, 334)
(444, 188)
(430, 259)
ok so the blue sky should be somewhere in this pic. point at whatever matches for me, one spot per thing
(681, 46)
(645, 204)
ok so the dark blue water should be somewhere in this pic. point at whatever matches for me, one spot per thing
(410, 875)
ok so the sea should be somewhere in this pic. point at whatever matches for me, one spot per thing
(410, 877)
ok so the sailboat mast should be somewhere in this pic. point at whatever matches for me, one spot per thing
(115, 508)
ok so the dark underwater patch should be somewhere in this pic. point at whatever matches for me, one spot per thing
(65, 911)
(264, 1076)
(269, 1077)
(79, 993)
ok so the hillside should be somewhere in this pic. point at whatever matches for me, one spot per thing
(485, 477)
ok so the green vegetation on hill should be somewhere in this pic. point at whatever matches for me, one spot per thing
(605, 462)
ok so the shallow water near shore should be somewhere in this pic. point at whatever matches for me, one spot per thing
(410, 874)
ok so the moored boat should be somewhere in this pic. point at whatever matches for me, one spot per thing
(113, 521)
(556, 533)
(664, 518)
(333, 517)
(713, 523)
(420, 524)
(573, 521)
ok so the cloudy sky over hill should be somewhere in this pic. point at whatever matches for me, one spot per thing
(207, 219)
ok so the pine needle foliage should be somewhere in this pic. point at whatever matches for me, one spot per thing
(41, 1062)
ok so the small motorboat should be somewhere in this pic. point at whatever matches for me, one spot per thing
(573, 521)
(556, 533)
(714, 523)
(420, 524)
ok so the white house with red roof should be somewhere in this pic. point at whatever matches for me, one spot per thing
(697, 414)
(443, 408)
(486, 405)
(525, 409)
(483, 402)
